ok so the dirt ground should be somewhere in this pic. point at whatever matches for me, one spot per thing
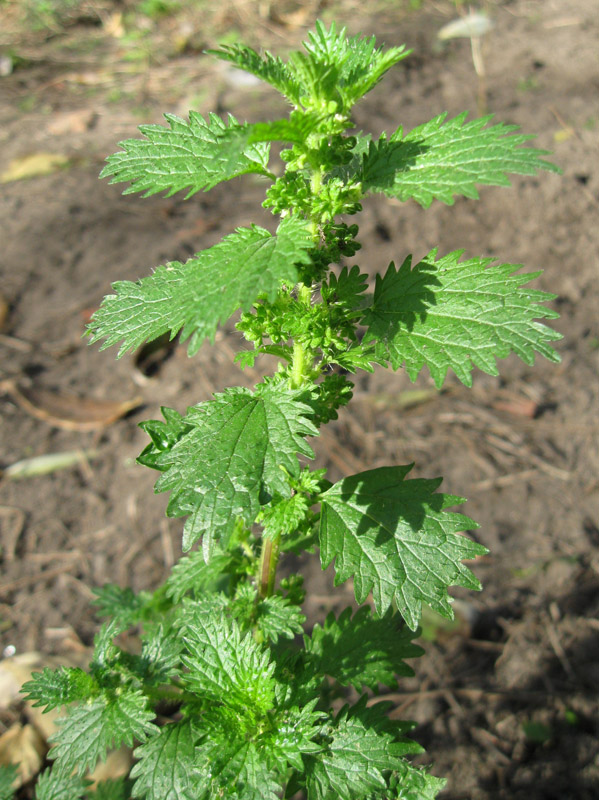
(506, 699)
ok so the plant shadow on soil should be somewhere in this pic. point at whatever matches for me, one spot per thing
(505, 701)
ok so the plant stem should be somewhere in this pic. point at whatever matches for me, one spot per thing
(269, 558)
(298, 366)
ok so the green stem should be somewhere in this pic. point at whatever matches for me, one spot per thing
(269, 558)
(299, 366)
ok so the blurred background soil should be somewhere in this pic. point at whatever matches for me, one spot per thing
(506, 697)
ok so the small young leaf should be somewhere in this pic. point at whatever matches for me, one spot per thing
(55, 784)
(442, 159)
(197, 296)
(258, 435)
(293, 734)
(59, 687)
(267, 67)
(396, 539)
(120, 604)
(160, 653)
(361, 745)
(166, 764)
(191, 574)
(192, 155)
(362, 651)
(458, 314)
(358, 65)
(234, 769)
(411, 783)
(224, 666)
(89, 730)
(277, 617)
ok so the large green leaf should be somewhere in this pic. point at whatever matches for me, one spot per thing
(397, 541)
(90, 730)
(54, 784)
(192, 155)
(197, 296)
(225, 667)
(361, 650)
(239, 448)
(361, 745)
(165, 764)
(456, 314)
(442, 159)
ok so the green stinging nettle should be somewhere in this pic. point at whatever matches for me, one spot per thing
(221, 701)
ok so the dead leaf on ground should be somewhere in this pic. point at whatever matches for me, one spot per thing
(4, 309)
(12, 522)
(518, 406)
(34, 166)
(23, 745)
(46, 464)
(71, 121)
(69, 412)
(113, 25)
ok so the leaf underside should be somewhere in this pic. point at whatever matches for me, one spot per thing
(452, 314)
(395, 538)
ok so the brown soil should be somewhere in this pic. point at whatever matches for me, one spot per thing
(506, 700)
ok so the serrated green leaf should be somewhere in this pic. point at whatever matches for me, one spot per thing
(285, 516)
(397, 541)
(271, 69)
(59, 687)
(361, 745)
(293, 736)
(197, 296)
(354, 62)
(257, 436)
(111, 789)
(89, 730)
(345, 289)
(191, 574)
(334, 68)
(166, 764)
(226, 667)
(362, 651)
(121, 604)
(277, 617)
(8, 777)
(445, 158)
(54, 784)
(160, 653)
(359, 357)
(192, 155)
(458, 314)
(236, 770)
(294, 129)
(411, 783)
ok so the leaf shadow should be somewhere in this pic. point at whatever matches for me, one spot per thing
(395, 502)
(391, 158)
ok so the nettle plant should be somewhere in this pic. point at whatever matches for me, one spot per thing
(223, 700)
